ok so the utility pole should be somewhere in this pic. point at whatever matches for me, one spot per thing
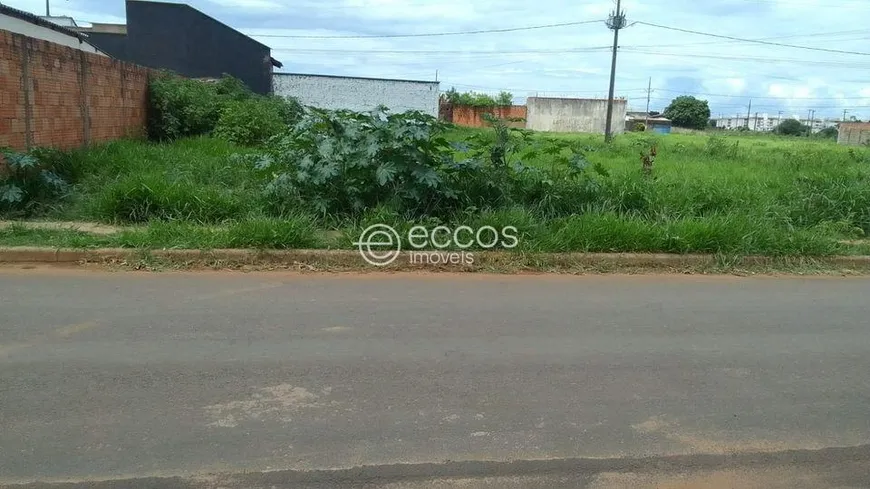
(756, 122)
(844, 114)
(615, 23)
(648, 95)
(47, 8)
(748, 113)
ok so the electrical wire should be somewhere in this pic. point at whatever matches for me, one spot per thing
(758, 97)
(843, 64)
(768, 43)
(432, 34)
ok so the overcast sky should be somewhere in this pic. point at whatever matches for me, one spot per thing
(568, 61)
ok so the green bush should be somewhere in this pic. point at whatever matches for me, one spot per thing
(791, 127)
(181, 107)
(339, 163)
(141, 198)
(253, 121)
(28, 185)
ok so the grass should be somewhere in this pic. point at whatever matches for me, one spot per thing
(726, 194)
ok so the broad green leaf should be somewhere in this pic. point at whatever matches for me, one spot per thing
(11, 193)
(52, 180)
(263, 162)
(385, 173)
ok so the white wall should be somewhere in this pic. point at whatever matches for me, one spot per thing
(358, 94)
(574, 115)
(18, 26)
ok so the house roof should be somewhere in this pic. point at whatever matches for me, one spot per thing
(37, 20)
(274, 61)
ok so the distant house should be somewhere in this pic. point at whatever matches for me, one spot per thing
(27, 24)
(177, 37)
(653, 121)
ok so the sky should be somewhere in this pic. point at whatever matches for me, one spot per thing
(568, 61)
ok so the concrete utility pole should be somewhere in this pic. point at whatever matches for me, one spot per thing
(615, 23)
(648, 95)
(748, 113)
(844, 114)
(47, 8)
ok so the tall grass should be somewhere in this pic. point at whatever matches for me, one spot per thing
(729, 194)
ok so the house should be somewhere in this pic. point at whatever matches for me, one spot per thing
(27, 24)
(767, 123)
(180, 38)
(652, 121)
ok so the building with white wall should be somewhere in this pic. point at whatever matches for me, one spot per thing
(27, 24)
(766, 123)
(358, 94)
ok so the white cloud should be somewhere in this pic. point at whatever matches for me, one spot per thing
(778, 78)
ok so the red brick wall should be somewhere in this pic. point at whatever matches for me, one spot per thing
(52, 95)
(463, 115)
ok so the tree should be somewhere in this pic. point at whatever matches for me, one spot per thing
(791, 127)
(687, 111)
(828, 133)
(505, 98)
(475, 99)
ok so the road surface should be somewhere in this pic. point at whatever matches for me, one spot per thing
(282, 380)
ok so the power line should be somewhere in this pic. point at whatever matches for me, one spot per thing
(768, 43)
(844, 64)
(447, 52)
(461, 85)
(760, 97)
(433, 34)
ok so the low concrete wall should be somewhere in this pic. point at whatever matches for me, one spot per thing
(854, 133)
(574, 115)
(358, 94)
(464, 115)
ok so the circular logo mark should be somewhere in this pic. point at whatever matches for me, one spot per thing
(379, 245)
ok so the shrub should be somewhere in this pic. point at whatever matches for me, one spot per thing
(251, 122)
(339, 162)
(27, 184)
(180, 107)
(791, 127)
(140, 198)
(828, 133)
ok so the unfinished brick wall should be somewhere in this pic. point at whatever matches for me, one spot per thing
(464, 115)
(55, 96)
(854, 133)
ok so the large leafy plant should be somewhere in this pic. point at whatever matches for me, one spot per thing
(25, 183)
(340, 163)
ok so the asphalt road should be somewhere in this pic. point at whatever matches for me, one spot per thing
(595, 381)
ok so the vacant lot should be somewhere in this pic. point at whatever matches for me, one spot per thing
(316, 182)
